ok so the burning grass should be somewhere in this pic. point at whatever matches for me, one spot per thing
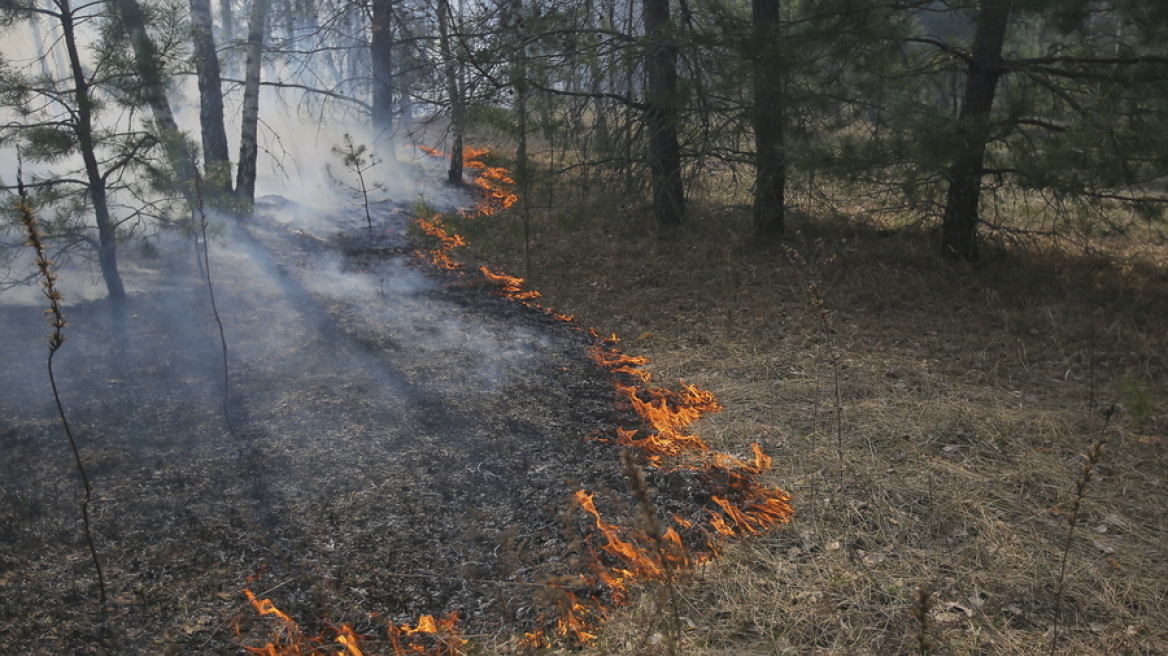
(968, 396)
(739, 503)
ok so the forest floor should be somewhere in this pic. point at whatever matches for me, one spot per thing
(930, 419)
(396, 441)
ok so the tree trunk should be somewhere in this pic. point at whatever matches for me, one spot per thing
(661, 117)
(381, 46)
(226, 20)
(959, 227)
(107, 247)
(129, 12)
(453, 91)
(768, 117)
(216, 155)
(249, 132)
(522, 169)
(404, 99)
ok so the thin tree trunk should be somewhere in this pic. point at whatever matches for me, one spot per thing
(249, 133)
(381, 47)
(216, 155)
(661, 117)
(522, 168)
(129, 12)
(453, 91)
(226, 20)
(959, 226)
(107, 248)
(768, 117)
(404, 99)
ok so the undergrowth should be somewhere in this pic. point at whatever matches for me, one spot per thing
(953, 401)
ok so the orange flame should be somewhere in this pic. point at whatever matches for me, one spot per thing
(431, 637)
(447, 242)
(349, 640)
(652, 561)
(741, 505)
(494, 181)
(510, 286)
(668, 414)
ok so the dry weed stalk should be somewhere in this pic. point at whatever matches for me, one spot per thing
(824, 316)
(666, 552)
(833, 355)
(56, 339)
(920, 612)
(205, 260)
(1087, 473)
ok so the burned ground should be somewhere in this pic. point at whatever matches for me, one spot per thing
(397, 442)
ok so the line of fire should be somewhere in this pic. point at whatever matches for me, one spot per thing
(740, 504)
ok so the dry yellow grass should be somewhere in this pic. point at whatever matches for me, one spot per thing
(968, 397)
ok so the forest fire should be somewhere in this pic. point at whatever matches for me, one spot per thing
(430, 636)
(738, 503)
(494, 181)
(666, 443)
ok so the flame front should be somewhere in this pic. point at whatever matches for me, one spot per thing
(430, 637)
(739, 503)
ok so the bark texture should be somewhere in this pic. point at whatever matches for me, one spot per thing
(249, 132)
(216, 154)
(381, 47)
(768, 118)
(453, 91)
(959, 226)
(661, 116)
(107, 246)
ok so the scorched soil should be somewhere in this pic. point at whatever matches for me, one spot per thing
(395, 441)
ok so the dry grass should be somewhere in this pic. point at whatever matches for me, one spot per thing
(969, 396)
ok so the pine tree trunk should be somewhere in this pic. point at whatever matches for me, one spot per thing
(381, 46)
(768, 117)
(249, 133)
(453, 91)
(107, 247)
(216, 155)
(129, 12)
(661, 117)
(959, 226)
(522, 170)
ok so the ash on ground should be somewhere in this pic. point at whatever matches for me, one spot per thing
(393, 442)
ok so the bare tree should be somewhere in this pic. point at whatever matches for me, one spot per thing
(249, 133)
(662, 116)
(381, 50)
(453, 91)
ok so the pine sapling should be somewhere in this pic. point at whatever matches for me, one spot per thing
(358, 159)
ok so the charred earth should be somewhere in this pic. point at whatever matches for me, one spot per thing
(399, 441)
